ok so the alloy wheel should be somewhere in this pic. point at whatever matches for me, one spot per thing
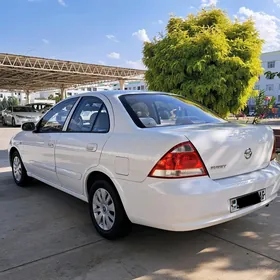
(17, 168)
(103, 209)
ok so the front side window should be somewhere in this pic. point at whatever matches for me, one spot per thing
(153, 110)
(90, 115)
(54, 120)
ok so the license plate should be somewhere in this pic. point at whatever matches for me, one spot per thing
(247, 200)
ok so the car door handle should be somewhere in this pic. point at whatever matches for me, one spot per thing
(92, 147)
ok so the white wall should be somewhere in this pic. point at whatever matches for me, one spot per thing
(271, 87)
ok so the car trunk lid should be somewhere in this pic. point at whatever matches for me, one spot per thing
(230, 149)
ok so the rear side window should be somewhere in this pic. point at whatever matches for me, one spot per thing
(90, 115)
(153, 110)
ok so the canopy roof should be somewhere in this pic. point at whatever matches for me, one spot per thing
(18, 72)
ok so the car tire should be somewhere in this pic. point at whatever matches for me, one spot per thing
(13, 122)
(19, 172)
(107, 212)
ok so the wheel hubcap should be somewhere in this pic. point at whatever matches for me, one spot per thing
(103, 209)
(17, 169)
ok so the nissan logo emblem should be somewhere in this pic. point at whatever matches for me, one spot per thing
(248, 153)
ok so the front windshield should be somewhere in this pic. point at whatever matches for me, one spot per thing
(152, 110)
(23, 109)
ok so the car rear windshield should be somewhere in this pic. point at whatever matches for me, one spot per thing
(23, 109)
(153, 110)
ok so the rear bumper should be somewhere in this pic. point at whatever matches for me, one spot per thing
(189, 204)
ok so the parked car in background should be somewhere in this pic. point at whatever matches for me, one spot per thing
(148, 158)
(18, 115)
(40, 107)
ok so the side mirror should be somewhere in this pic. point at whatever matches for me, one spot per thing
(28, 126)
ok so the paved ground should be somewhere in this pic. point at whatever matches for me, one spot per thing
(46, 234)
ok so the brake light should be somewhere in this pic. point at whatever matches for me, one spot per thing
(180, 162)
(274, 154)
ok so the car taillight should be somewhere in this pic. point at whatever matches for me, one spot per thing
(180, 162)
(274, 154)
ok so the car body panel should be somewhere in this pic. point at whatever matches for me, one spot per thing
(193, 203)
(127, 154)
(77, 152)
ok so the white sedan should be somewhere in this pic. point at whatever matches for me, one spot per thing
(18, 115)
(148, 158)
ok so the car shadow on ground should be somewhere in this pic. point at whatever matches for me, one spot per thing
(218, 252)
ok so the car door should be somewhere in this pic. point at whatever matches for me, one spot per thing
(8, 115)
(39, 145)
(79, 147)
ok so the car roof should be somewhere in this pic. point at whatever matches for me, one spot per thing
(117, 93)
(38, 103)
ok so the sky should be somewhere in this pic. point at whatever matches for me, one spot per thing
(112, 32)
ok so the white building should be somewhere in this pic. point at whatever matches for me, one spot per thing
(270, 62)
(21, 96)
(128, 85)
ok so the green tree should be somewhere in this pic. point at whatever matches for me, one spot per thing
(263, 105)
(271, 75)
(4, 103)
(207, 58)
(56, 98)
(12, 101)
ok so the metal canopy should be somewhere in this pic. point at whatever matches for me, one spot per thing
(18, 72)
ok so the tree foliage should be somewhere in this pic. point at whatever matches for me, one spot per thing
(261, 107)
(5, 103)
(208, 58)
(56, 98)
(12, 101)
(271, 75)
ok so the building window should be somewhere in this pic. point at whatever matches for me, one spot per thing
(88, 89)
(1, 95)
(119, 89)
(138, 88)
(278, 98)
(271, 64)
(134, 88)
(125, 88)
(142, 87)
(269, 87)
(257, 87)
